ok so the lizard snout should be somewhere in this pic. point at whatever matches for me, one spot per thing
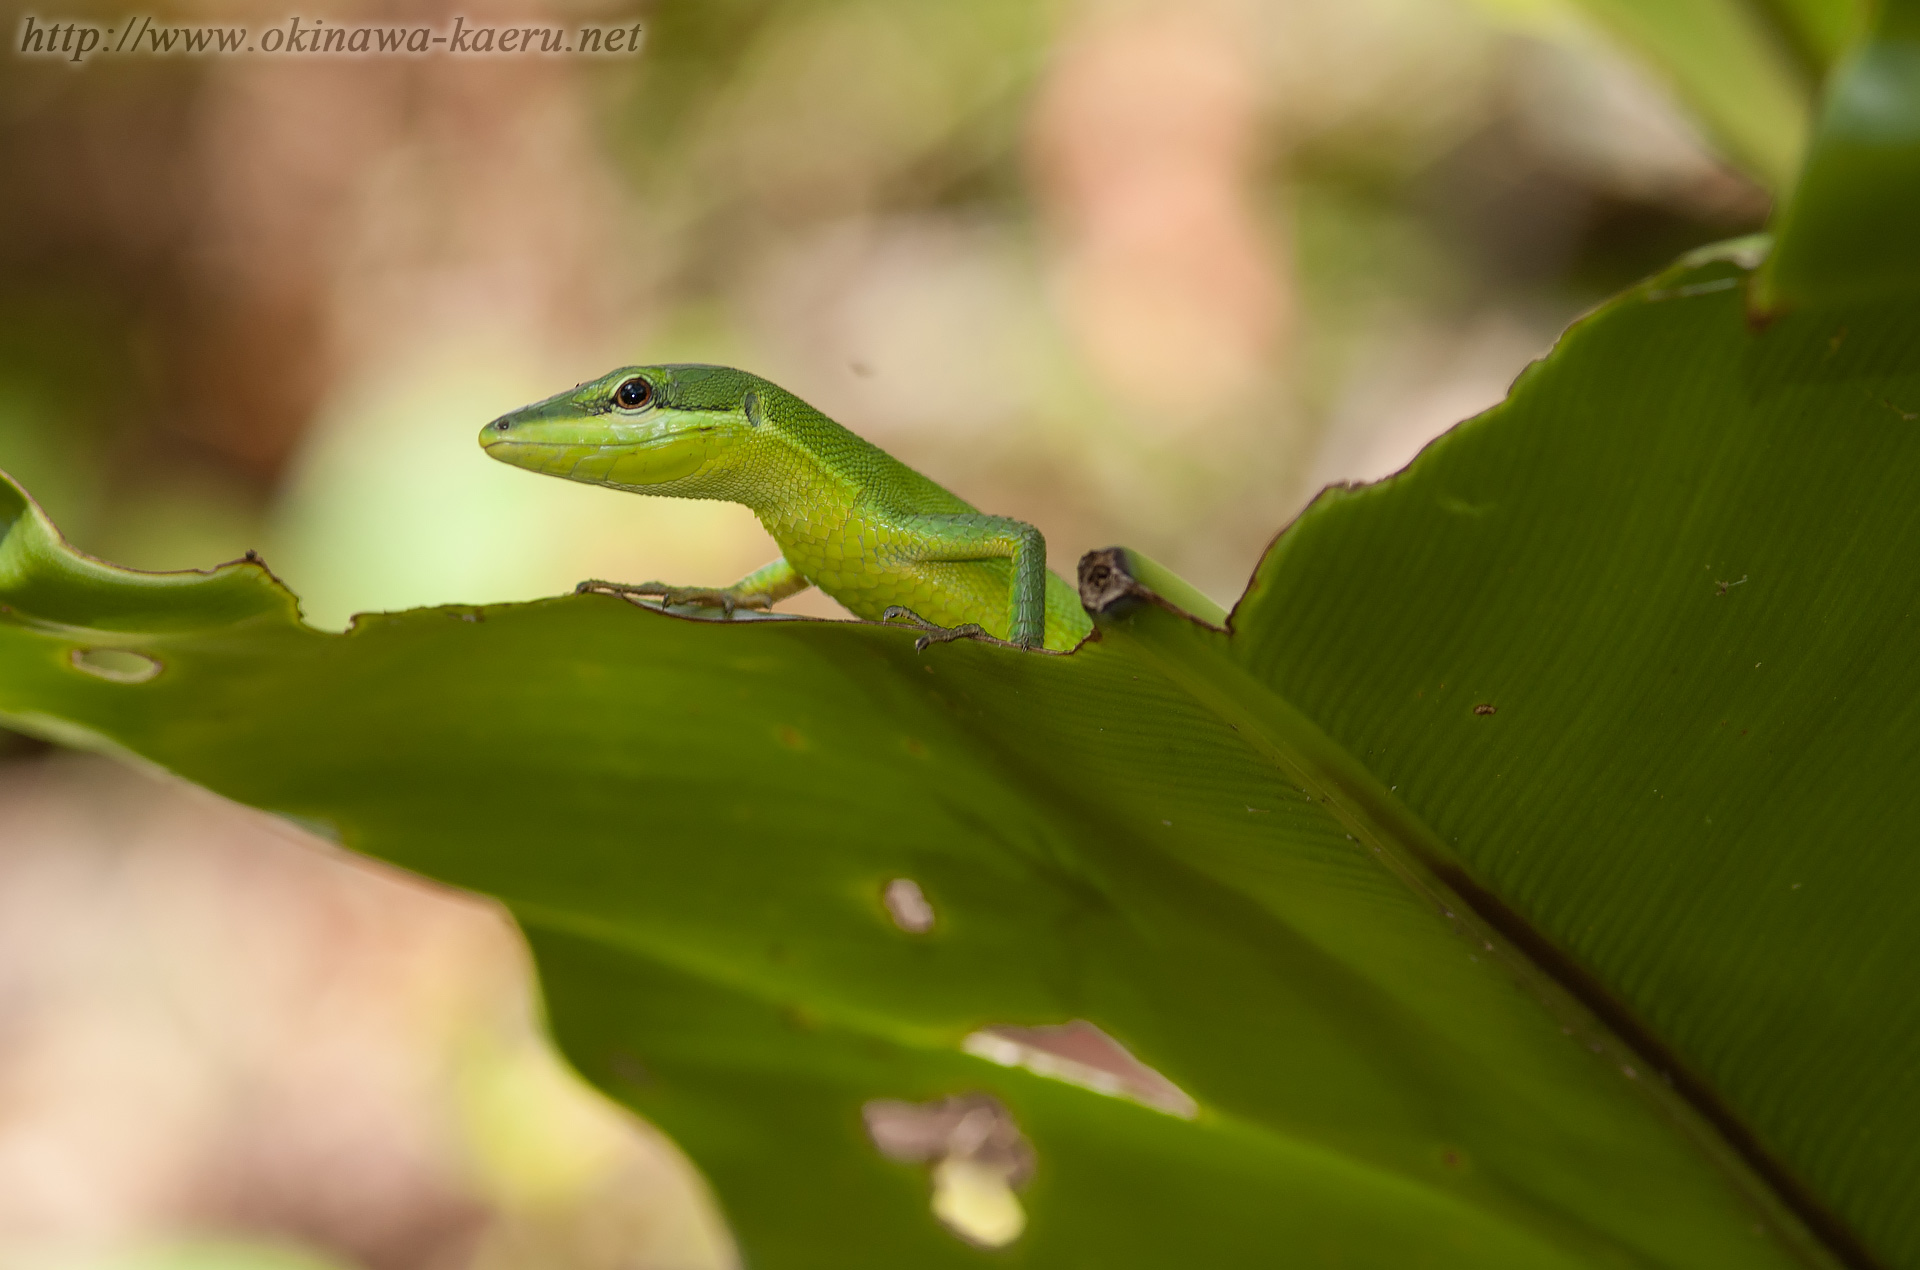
(498, 432)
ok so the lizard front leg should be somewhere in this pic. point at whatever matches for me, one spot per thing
(761, 589)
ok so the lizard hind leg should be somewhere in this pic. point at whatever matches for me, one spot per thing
(932, 633)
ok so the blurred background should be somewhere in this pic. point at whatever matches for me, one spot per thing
(1140, 271)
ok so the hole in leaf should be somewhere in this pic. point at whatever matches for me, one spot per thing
(908, 906)
(1081, 1054)
(116, 664)
(978, 1156)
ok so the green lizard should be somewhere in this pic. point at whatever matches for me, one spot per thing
(850, 519)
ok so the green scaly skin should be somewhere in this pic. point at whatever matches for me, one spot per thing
(871, 532)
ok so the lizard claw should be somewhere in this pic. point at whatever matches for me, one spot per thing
(625, 589)
(632, 593)
(935, 634)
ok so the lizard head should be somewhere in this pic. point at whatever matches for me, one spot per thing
(652, 429)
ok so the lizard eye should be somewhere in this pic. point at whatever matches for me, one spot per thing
(501, 425)
(633, 394)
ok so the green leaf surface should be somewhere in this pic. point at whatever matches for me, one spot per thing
(1747, 69)
(694, 823)
(1848, 231)
(1628, 663)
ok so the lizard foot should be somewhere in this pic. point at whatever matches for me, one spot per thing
(671, 596)
(934, 634)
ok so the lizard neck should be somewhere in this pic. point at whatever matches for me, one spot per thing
(806, 469)
(804, 493)
(789, 484)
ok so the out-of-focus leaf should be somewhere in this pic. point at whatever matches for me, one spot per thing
(1849, 230)
(1728, 61)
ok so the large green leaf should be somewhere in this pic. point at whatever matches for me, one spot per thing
(694, 823)
(1578, 755)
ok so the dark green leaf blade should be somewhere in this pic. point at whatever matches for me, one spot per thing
(1681, 564)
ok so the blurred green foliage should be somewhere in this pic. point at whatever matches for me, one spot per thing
(1726, 59)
